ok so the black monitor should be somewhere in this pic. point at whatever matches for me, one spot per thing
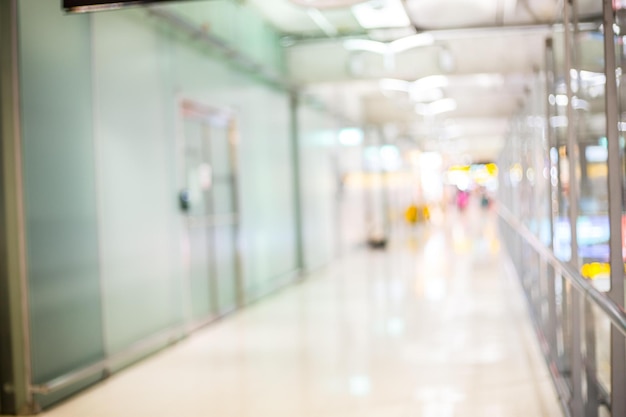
(78, 6)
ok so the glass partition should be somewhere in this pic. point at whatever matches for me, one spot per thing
(564, 157)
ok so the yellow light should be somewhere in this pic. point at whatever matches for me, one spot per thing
(593, 269)
(492, 169)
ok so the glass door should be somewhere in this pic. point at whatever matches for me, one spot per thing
(208, 201)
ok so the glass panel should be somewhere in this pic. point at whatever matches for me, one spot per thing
(138, 216)
(559, 160)
(198, 178)
(59, 166)
(589, 104)
(318, 187)
(223, 184)
(223, 209)
(225, 258)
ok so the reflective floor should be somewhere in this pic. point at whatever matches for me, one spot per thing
(433, 327)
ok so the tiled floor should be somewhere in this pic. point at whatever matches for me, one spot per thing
(431, 327)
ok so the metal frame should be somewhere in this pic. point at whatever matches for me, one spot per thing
(572, 153)
(615, 177)
(586, 292)
(574, 370)
(15, 377)
(294, 105)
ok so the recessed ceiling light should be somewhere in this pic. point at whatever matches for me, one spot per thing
(378, 14)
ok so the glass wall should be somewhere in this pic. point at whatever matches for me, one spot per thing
(142, 221)
(318, 144)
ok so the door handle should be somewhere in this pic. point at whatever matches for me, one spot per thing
(184, 201)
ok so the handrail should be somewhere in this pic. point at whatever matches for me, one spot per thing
(615, 313)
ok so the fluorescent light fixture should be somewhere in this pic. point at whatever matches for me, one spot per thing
(376, 14)
(394, 47)
(436, 107)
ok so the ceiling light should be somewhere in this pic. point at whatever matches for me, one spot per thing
(393, 84)
(423, 90)
(412, 41)
(397, 46)
(378, 14)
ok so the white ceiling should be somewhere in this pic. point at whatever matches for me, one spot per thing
(487, 49)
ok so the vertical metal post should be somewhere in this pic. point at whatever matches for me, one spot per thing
(550, 141)
(294, 105)
(586, 322)
(206, 136)
(576, 404)
(15, 367)
(618, 345)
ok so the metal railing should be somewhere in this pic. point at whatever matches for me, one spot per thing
(550, 305)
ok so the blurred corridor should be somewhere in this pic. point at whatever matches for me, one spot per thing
(323, 207)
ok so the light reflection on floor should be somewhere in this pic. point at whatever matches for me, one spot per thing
(430, 327)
